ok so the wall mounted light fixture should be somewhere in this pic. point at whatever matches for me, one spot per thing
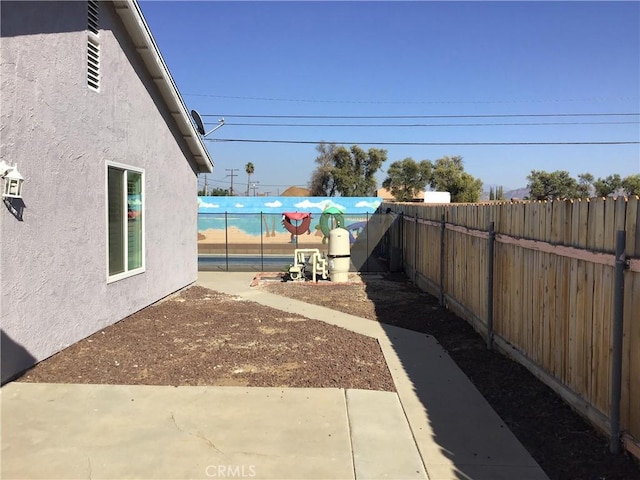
(12, 181)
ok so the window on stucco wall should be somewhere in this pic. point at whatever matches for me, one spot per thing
(125, 221)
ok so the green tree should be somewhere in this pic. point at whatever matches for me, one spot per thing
(492, 196)
(405, 178)
(607, 186)
(321, 183)
(631, 184)
(349, 172)
(585, 183)
(249, 168)
(551, 185)
(448, 175)
(354, 170)
(500, 193)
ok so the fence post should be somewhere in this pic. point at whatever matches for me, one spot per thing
(490, 253)
(401, 239)
(616, 355)
(366, 233)
(442, 233)
(415, 250)
(226, 241)
(261, 243)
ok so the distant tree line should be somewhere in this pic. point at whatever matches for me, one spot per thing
(560, 185)
(350, 172)
(213, 192)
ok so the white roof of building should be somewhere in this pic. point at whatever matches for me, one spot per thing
(138, 30)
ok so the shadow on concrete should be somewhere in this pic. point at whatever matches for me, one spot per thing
(562, 443)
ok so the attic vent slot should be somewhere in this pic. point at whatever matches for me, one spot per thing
(93, 21)
(93, 64)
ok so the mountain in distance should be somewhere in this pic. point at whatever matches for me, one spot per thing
(517, 193)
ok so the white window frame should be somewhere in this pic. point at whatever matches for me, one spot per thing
(136, 271)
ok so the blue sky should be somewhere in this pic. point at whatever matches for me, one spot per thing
(408, 58)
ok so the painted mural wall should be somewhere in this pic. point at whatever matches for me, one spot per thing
(303, 221)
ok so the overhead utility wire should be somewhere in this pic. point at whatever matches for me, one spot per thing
(409, 102)
(509, 115)
(245, 140)
(404, 125)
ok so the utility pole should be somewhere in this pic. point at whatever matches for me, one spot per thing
(231, 175)
(254, 188)
(205, 184)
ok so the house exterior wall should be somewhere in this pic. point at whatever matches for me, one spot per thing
(53, 261)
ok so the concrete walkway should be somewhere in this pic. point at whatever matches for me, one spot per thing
(437, 426)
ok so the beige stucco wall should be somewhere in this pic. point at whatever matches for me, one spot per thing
(54, 288)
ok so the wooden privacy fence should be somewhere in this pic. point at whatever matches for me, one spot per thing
(538, 280)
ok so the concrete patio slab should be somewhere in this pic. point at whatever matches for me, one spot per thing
(118, 431)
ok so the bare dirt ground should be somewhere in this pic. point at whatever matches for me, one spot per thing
(202, 337)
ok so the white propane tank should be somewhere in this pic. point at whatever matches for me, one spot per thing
(339, 255)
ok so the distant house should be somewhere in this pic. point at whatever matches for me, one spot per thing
(387, 196)
(107, 222)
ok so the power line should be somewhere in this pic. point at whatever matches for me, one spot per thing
(412, 125)
(410, 102)
(315, 142)
(506, 115)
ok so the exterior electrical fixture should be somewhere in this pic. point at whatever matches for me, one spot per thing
(12, 186)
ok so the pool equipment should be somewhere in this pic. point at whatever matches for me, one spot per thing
(305, 258)
(339, 255)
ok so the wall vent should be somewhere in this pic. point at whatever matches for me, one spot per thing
(93, 64)
(93, 16)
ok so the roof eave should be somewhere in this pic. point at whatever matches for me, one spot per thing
(133, 20)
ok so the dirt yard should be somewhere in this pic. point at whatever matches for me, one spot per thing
(202, 337)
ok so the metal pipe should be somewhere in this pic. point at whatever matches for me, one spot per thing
(490, 253)
(261, 243)
(442, 245)
(616, 355)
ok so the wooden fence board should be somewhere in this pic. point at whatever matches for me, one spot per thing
(539, 304)
(573, 340)
(597, 360)
(575, 223)
(562, 316)
(609, 244)
(551, 298)
(581, 360)
(567, 223)
(584, 223)
(632, 227)
(633, 425)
